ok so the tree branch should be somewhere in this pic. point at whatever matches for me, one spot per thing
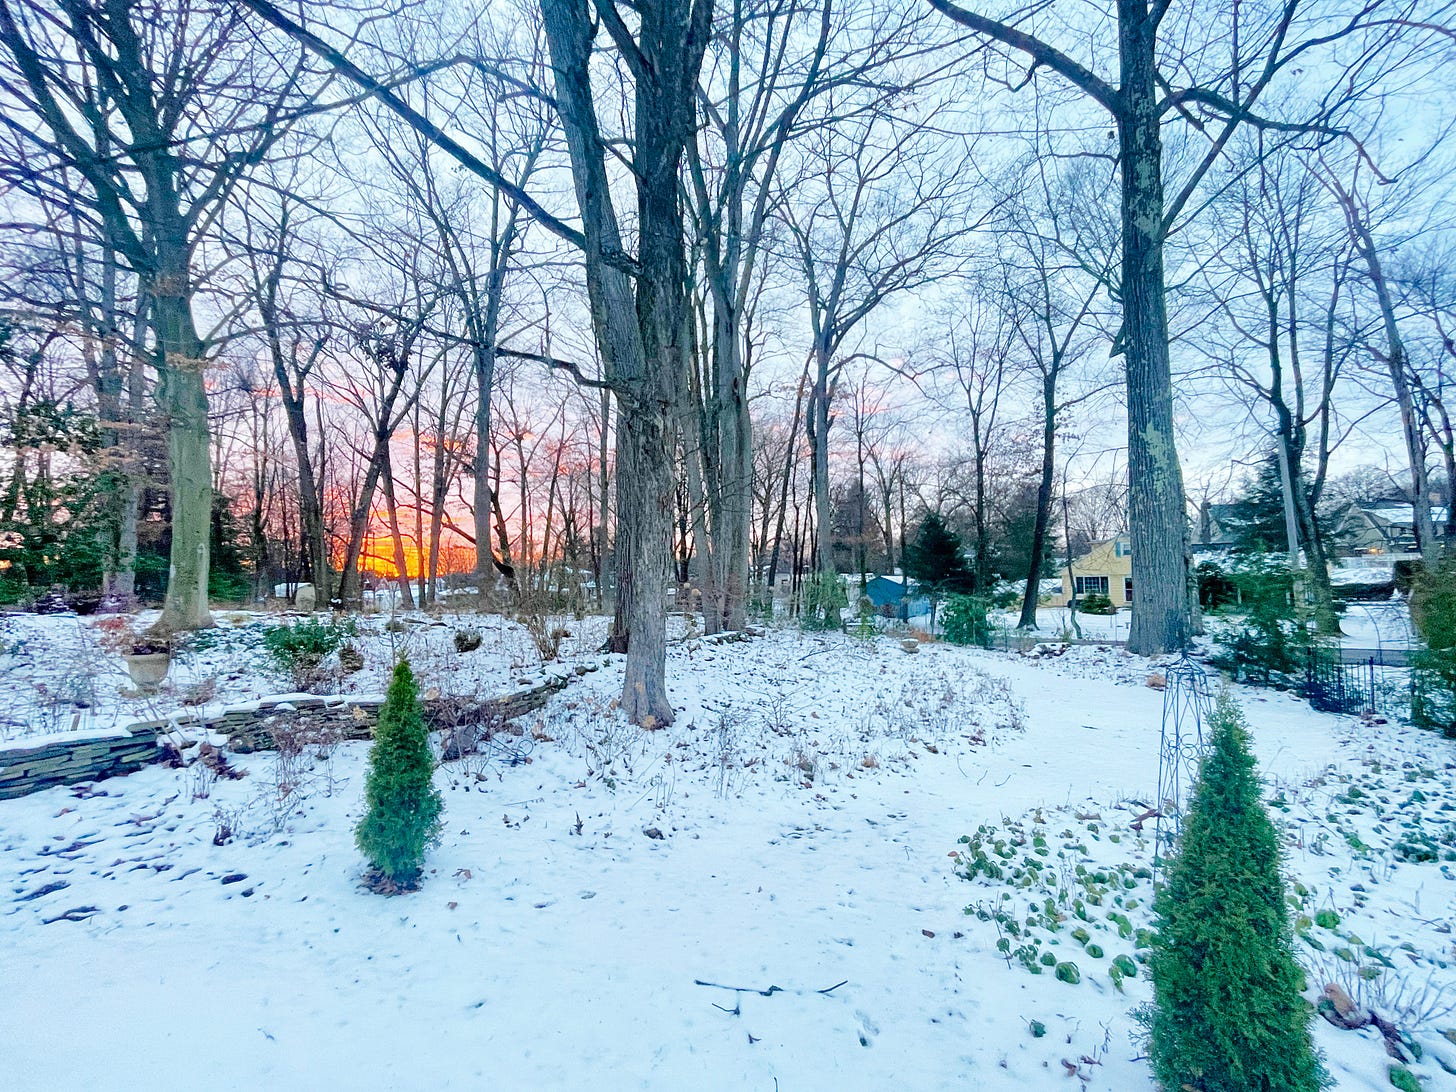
(1040, 52)
(416, 120)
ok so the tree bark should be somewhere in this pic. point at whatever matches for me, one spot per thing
(640, 335)
(1032, 595)
(1156, 505)
(189, 454)
(1396, 362)
(818, 428)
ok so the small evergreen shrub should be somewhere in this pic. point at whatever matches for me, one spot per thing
(1227, 1014)
(965, 621)
(1433, 610)
(865, 627)
(1096, 603)
(403, 816)
(299, 649)
(823, 599)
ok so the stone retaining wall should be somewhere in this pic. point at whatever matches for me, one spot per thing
(92, 756)
(66, 762)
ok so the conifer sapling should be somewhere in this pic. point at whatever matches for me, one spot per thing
(403, 816)
(1228, 1015)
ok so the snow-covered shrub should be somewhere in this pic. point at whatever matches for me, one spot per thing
(403, 817)
(299, 650)
(1228, 1015)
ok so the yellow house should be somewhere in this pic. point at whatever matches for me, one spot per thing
(1106, 569)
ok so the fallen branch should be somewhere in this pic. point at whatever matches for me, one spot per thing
(79, 913)
(826, 991)
(58, 885)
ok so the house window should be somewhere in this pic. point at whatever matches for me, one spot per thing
(1091, 585)
(1122, 549)
(1127, 588)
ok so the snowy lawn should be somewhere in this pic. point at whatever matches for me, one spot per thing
(797, 834)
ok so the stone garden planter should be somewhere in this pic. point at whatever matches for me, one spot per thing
(147, 670)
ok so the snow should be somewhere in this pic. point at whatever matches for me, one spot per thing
(1053, 622)
(45, 739)
(55, 676)
(1378, 625)
(1362, 571)
(810, 799)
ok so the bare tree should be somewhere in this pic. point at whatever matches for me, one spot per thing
(1051, 281)
(973, 364)
(1281, 284)
(290, 324)
(877, 206)
(1168, 74)
(1430, 291)
(1350, 194)
(638, 303)
(161, 114)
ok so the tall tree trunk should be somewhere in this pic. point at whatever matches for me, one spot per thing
(423, 589)
(819, 440)
(644, 551)
(981, 576)
(439, 495)
(603, 482)
(703, 504)
(1396, 362)
(790, 452)
(310, 503)
(1039, 529)
(645, 359)
(350, 584)
(401, 562)
(705, 547)
(126, 539)
(484, 386)
(733, 499)
(189, 454)
(1156, 506)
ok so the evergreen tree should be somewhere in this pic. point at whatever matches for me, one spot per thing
(936, 559)
(1228, 1015)
(403, 817)
(1257, 517)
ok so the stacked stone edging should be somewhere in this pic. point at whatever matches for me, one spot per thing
(31, 769)
(247, 727)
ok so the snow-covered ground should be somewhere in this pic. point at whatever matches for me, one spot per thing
(56, 676)
(768, 894)
(1378, 625)
(1364, 625)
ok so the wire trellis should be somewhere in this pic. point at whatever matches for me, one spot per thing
(1186, 708)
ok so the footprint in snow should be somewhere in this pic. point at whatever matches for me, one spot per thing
(868, 1029)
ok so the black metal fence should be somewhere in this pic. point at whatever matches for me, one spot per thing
(1366, 687)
